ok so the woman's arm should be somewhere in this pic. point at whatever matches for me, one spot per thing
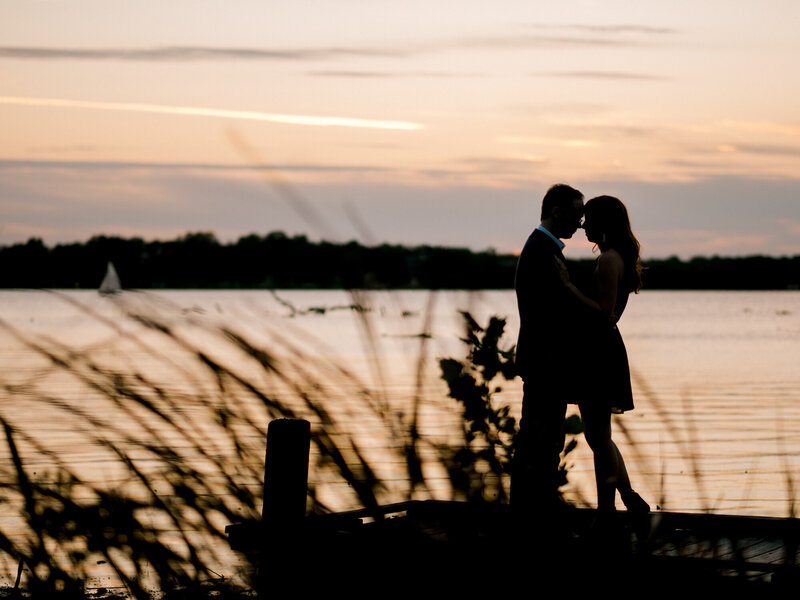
(609, 274)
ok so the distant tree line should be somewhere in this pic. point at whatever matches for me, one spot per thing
(275, 260)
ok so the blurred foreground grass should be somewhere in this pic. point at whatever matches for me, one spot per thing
(125, 482)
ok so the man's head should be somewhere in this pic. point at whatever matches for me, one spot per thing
(562, 209)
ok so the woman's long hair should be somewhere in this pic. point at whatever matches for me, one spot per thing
(610, 218)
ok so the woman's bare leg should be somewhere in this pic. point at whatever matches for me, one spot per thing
(597, 429)
(623, 482)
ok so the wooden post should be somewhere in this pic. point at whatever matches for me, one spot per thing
(284, 510)
(286, 471)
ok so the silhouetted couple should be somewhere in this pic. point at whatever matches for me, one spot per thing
(570, 350)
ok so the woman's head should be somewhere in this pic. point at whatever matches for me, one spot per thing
(607, 224)
(606, 221)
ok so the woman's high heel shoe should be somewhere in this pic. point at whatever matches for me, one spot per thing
(634, 502)
(639, 512)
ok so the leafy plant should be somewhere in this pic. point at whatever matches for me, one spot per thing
(480, 469)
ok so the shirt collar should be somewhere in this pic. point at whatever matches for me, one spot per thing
(558, 242)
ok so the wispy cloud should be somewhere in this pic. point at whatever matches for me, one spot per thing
(390, 74)
(790, 225)
(319, 121)
(766, 149)
(541, 141)
(192, 53)
(611, 29)
(489, 42)
(146, 166)
(550, 36)
(354, 74)
(698, 242)
(762, 127)
(607, 75)
(762, 160)
(211, 53)
(494, 164)
(480, 172)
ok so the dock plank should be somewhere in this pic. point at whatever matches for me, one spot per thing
(676, 547)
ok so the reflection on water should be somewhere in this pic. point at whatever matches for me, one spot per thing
(717, 423)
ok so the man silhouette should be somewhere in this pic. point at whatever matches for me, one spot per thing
(549, 325)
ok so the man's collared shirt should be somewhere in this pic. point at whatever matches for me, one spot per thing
(552, 237)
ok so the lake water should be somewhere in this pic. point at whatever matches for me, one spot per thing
(716, 381)
(716, 378)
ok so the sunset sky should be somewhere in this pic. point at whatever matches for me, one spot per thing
(414, 122)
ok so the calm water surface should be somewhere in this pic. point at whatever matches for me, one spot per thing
(716, 383)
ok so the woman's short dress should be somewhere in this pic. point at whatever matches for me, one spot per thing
(610, 377)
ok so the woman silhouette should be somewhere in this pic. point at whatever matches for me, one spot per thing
(617, 274)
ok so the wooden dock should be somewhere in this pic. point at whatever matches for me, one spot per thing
(756, 548)
(480, 547)
(442, 542)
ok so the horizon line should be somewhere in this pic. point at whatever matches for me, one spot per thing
(320, 239)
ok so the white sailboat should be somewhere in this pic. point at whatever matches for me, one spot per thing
(111, 284)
